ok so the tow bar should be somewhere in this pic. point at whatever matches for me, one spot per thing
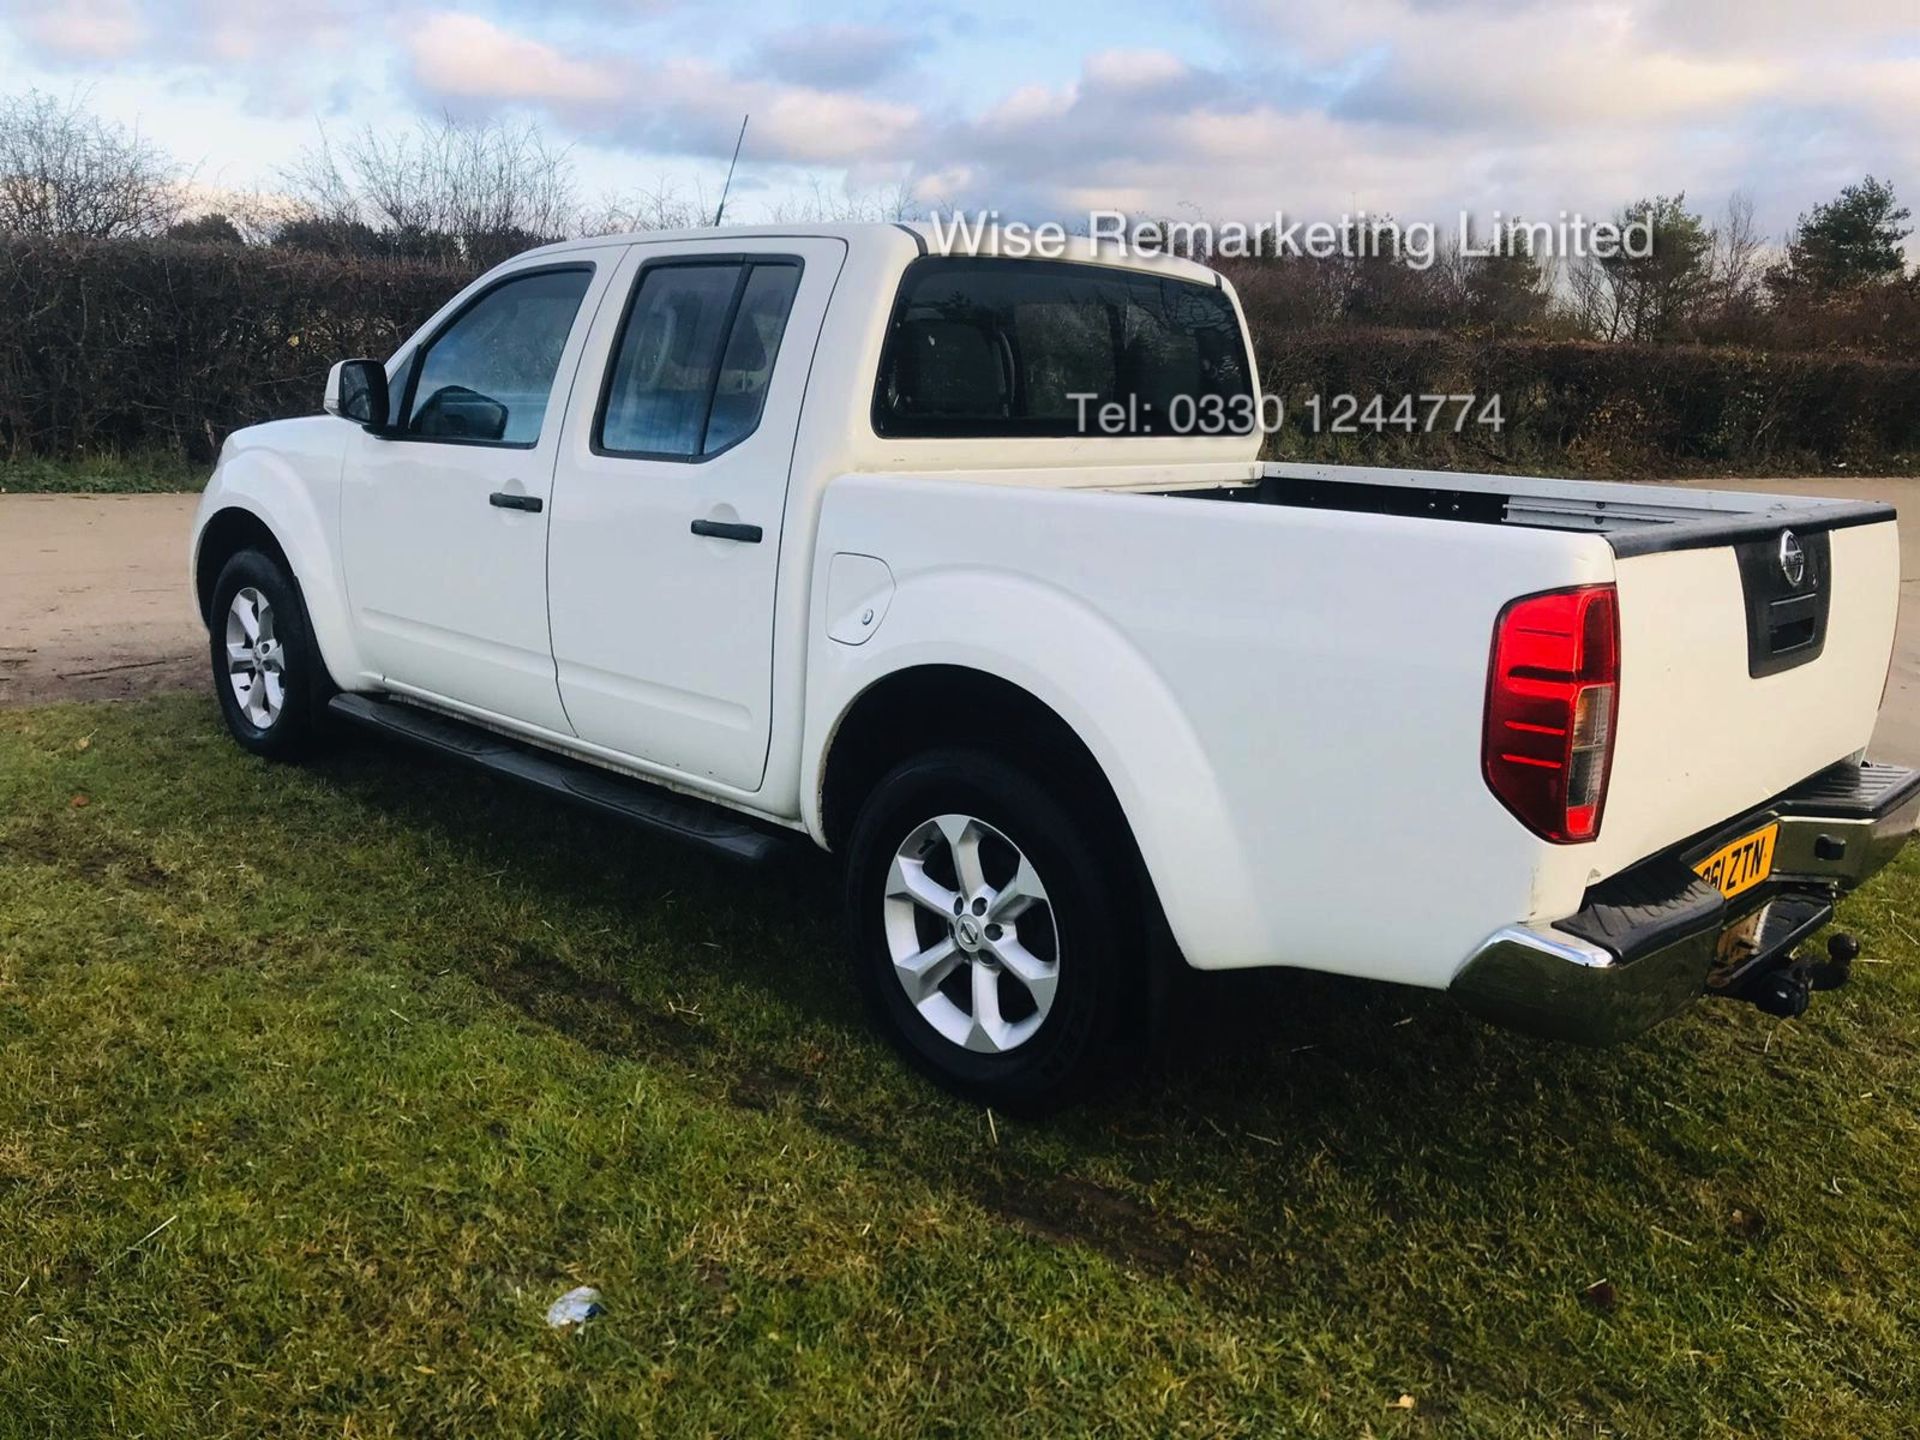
(1786, 988)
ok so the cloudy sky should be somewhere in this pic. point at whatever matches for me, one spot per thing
(1415, 107)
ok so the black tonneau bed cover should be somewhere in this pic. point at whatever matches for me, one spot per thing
(1635, 519)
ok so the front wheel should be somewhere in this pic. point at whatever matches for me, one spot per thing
(266, 669)
(991, 935)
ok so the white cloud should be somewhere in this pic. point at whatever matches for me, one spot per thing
(244, 32)
(1446, 64)
(837, 57)
(1417, 106)
(1134, 69)
(941, 187)
(286, 57)
(1791, 26)
(815, 126)
(1424, 107)
(1030, 105)
(678, 106)
(465, 57)
(223, 32)
(82, 30)
(1885, 91)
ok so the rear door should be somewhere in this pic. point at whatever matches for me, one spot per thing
(444, 520)
(670, 497)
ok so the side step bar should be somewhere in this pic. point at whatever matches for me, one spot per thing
(652, 807)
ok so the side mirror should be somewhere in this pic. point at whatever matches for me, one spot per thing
(454, 412)
(357, 391)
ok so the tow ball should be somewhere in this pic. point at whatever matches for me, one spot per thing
(1786, 989)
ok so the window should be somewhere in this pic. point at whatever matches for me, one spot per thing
(747, 366)
(486, 377)
(989, 347)
(695, 356)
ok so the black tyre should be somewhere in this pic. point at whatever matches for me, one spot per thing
(266, 669)
(995, 940)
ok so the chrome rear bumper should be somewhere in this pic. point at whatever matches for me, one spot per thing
(1646, 942)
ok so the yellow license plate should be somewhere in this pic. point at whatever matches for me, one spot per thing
(1742, 865)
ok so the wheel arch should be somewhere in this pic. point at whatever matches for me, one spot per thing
(936, 706)
(227, 532)
(264, 501)
(961, 639)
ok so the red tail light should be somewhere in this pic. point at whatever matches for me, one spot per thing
(1552, 694)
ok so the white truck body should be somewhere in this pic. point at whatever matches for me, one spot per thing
(1282, 672)
(1289, 705)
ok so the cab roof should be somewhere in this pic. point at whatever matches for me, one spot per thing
(928, 239)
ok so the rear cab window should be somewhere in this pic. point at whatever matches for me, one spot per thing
(982, 347)
(694, 356)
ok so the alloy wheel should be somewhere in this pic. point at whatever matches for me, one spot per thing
(971, 934)
(256, 662)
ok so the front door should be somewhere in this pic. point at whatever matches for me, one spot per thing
(670, 496)
(444, 519)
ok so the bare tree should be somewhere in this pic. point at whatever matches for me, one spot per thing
(1734, 269)
(1589, 299)
(318, 187)
(1737, 246)
(65, 171)
(661, 208)
(846, 207)
(481, 189)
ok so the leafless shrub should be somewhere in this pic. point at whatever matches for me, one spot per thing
(478, 191)
(825, 206)
(65, 171)
(662, 208)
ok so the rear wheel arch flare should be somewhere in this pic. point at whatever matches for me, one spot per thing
(930, 707)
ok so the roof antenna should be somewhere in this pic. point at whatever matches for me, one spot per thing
(721, 208)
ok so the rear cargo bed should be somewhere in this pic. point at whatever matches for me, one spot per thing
(1755, 630)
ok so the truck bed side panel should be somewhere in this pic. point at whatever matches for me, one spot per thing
(1288, 702)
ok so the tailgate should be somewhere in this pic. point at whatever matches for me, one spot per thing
(1745, 666)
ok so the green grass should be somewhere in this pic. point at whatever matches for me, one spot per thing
(318, 1085)
(103, 475)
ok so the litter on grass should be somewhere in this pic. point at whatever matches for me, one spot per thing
(575, 1308)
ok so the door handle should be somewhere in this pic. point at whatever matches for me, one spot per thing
(507, 500)
(728, 530)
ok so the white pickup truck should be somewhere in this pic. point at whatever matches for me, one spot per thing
(754, 534)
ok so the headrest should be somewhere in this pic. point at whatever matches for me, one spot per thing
(956, 368)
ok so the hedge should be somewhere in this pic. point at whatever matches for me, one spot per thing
(1601, 409)
(154, 346)
(166, 346)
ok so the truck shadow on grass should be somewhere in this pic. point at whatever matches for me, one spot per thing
(1266, 1081)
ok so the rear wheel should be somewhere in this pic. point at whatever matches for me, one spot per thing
(266, 670)
(992, 937)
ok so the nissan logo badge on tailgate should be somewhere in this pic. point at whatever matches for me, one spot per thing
(1793, 560)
